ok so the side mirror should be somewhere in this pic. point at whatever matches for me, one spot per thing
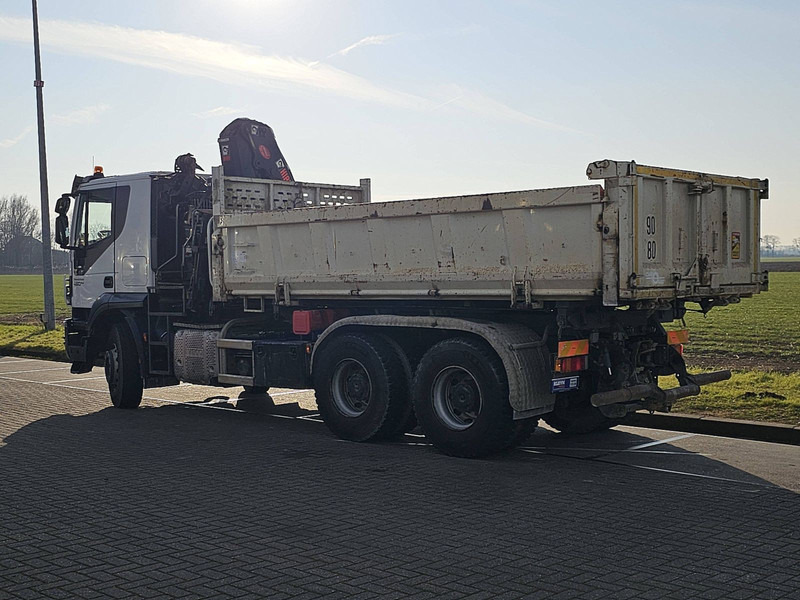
(62, 204)
(62, 229)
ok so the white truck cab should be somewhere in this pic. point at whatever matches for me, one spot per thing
(109, 237)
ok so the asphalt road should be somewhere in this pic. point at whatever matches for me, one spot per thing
(199, 494)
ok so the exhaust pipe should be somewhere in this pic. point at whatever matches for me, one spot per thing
(637, 392)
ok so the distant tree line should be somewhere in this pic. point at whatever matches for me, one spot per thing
(771, 246)
(20, 243)
(18, 219)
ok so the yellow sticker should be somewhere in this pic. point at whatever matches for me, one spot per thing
(736, 244)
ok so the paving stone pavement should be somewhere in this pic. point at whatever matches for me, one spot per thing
(175, 502)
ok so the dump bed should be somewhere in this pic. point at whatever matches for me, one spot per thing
(646, 234)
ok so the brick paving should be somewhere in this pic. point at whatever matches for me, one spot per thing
(171, 502)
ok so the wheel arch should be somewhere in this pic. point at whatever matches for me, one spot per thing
(521, 350)
(114, 308)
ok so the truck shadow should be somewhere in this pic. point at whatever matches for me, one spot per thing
(232, 496)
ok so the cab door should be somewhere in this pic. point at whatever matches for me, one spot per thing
(93, 239)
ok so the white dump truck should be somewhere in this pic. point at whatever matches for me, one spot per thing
(468, 316)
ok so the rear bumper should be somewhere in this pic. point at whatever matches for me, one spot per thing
(653, 392)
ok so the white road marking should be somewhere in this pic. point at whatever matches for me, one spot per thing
(74, 379)
(553, 448)
(276, 394)
(688, 474)
(12, 359)
(659, 442)
(670, 471)
(36, 370)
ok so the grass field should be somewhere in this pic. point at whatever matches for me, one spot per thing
(22, 297)
(763, 331)
(753, 394)
(758, 338)
(32, 341)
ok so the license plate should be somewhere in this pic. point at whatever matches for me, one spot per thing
(564, 384)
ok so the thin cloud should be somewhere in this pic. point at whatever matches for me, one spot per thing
(194, 56)
(81, 116)
(8, 142)
(219, 111)
(446, 102)
(370, 40)
(238, 64)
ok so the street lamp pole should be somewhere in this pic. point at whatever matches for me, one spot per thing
(49, 317)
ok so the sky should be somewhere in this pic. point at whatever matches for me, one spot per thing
(427, 98)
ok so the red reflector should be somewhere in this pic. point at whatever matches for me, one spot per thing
(306, 321)
(571, 364)
(679, 336)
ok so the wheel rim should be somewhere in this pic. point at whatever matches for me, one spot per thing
(112, 366)
(457, 398)
(351, 388)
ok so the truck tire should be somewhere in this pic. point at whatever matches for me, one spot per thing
(460, 396)
(122, 369)
(406, 420)
(578, 416)
(361, 388)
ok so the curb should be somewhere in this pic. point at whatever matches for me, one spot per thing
(733, 428)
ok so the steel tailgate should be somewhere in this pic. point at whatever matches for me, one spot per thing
(678, 234)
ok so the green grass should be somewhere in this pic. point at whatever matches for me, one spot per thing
(780, 259)
(753, 395)
(32, 341)
(23, 296)
(764, 327)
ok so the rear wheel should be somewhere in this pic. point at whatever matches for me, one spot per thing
(406, 420)
(460, 396)
(361, 388)
(122, 369)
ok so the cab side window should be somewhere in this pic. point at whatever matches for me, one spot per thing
(98, 221)
(95, 217)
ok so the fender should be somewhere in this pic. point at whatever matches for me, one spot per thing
(523, 353)
(130, 306)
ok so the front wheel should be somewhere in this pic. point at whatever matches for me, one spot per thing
(122, 370)
(460, 396)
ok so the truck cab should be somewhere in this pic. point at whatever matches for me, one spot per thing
(110, 253)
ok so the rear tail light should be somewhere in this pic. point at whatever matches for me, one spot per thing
(572, 364)
(573, 356)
